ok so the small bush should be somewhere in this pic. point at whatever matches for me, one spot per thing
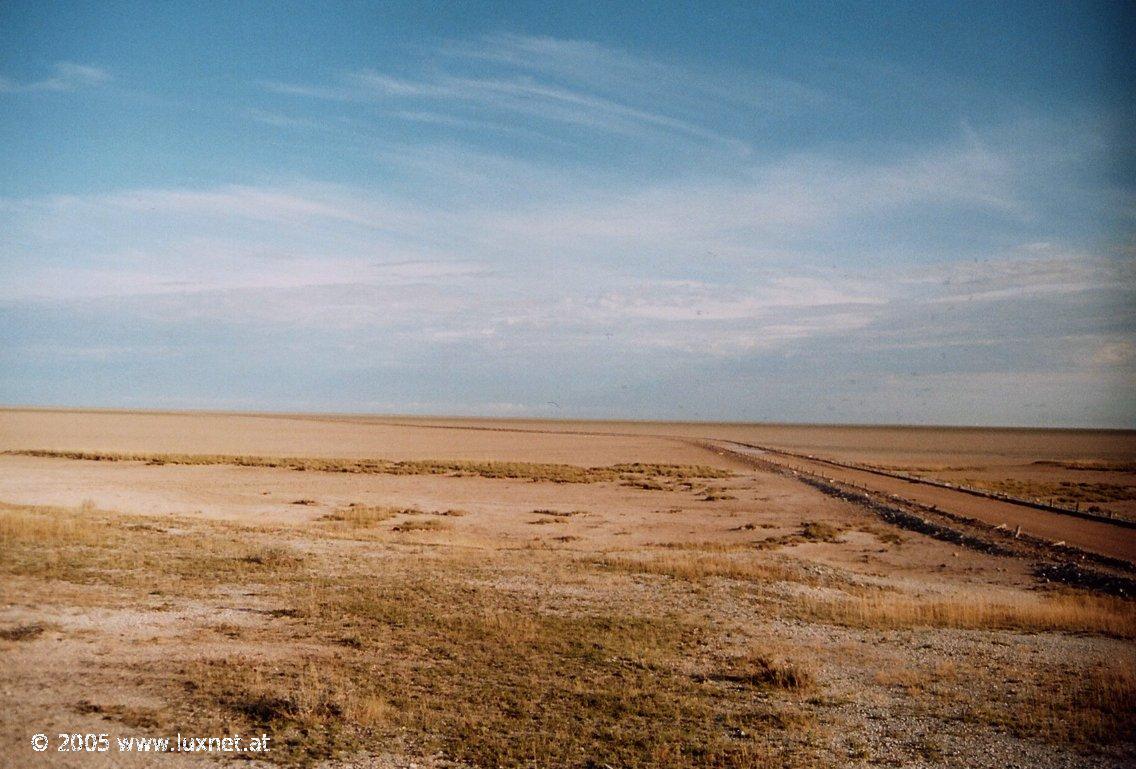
(21, 632)
(421, 524)
(814, 531)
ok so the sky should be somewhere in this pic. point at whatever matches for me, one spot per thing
(903, 213)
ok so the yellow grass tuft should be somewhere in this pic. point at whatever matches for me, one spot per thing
(421, 524)
(761, 670)
(1065, 613)
(52, 526)
(366, 515)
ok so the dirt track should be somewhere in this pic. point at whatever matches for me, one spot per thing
(1097, 537)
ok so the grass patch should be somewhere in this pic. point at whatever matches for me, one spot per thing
(557, 513)
(273, 557)
(765, 672)
(366, 515)
(1093, 708)
(21, 632)
(1060, 613)
(482, 677)
(818, 531)
(716, 495)
(86, 547)
(314, 707)
(1089, 464)
(22, 525)
(698, 565)
(139, 718)
(705, 547)
(811, 531)
(421, 524)
(554, 473)
(883, 534)
(357, 515)
(1062, 493)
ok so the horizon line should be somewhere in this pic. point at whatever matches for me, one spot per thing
(563, 419)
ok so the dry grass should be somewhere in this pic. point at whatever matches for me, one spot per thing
(315, 707)
(883, 533)
(273, 557)
(818, 531)
(557, 513)
(705, 547)
(421, 524)
(554, 473)
(811, 531)
(1094, 707)
(366, 515)
(1089, 464)
(21, 632)
(356, 653)
(1064, 493)
(83, 546)
(1089, 707)
(763, 671)
(472, 654)
(918, 680)
(488, 680)
(138, 718)
(358, 516)
(46, 525)
(698, 565)
(1063, 613)
(673, 472)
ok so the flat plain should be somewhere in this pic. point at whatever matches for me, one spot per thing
(396, 591)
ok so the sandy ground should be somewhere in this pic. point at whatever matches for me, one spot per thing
(884, 695)
(605, 516)
(577, 441)
(323, 437)
(901, 446)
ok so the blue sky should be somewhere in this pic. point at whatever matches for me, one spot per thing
(901, 213)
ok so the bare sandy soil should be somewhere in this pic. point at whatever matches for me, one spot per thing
(904, 446)
(322, 437)
(656, 617)
(340, 435)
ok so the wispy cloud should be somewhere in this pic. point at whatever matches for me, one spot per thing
(636, 77)
(65, 76)
(573, 85)
(1026, 277)
(458, 205)
(268, 117)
